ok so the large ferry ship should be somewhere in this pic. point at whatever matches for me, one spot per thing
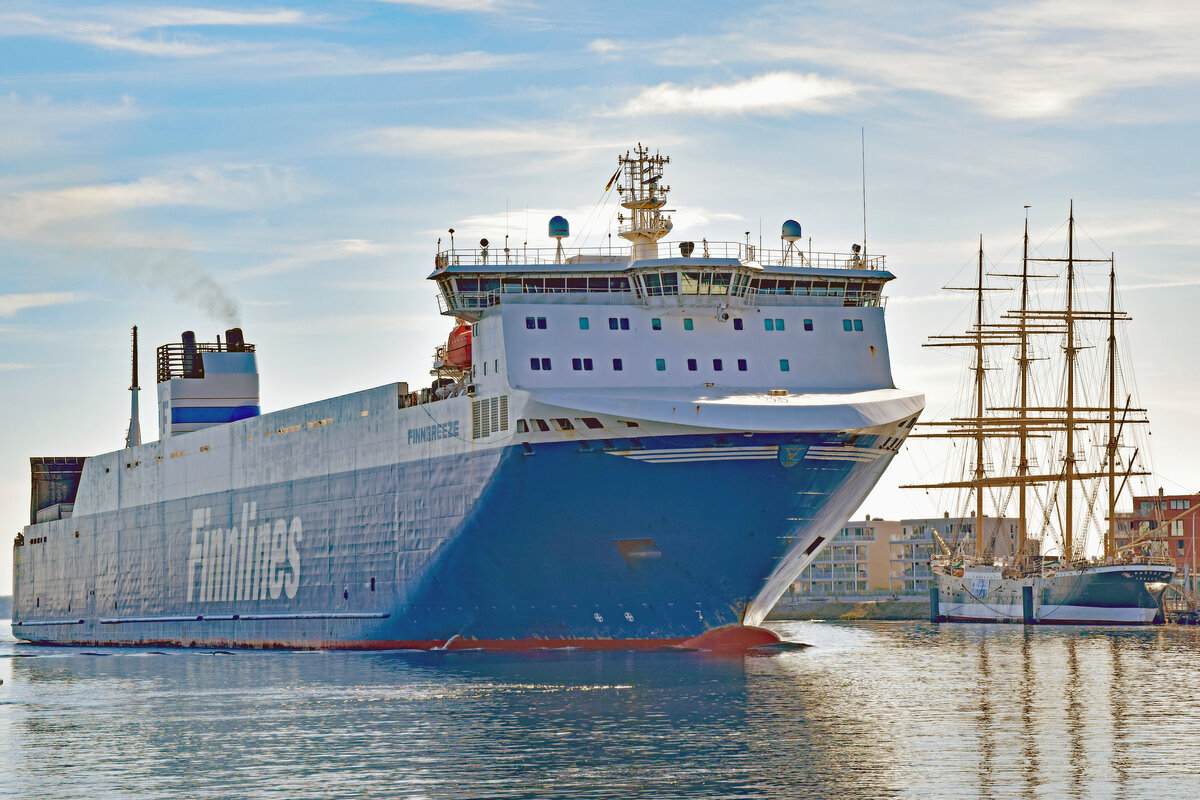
(619, 449)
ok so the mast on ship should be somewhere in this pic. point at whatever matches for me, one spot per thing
(644, 195)
(133, 437)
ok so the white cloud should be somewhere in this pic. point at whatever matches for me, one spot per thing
(313, 253)
(32, 125)
(450, 5)
(604, 47)
(773, 93)
(11, 304)
(225, 186)
(12, 366)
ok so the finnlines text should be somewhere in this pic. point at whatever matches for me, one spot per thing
(252, 561)
(443, 430)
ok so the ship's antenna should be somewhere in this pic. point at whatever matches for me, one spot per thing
(863, 133)
(134, 437)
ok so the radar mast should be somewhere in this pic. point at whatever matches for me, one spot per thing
(644, 194)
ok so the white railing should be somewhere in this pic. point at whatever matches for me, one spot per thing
(742, 252)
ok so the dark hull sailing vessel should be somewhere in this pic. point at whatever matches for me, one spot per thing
(1079, 442)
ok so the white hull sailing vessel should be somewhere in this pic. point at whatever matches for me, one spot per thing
(1069, 498)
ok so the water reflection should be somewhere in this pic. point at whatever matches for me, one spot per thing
(872, 710)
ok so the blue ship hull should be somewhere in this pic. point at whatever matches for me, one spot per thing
(600, 543)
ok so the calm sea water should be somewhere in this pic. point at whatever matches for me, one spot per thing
(870, 711)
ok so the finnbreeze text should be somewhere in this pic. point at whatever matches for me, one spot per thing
(443, 430)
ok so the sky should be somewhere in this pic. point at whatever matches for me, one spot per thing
(290, 168)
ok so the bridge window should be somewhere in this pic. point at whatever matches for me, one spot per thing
(858, 325)
(591, 422)
(564, 424)
(583, 323)
(656, 324)
(783, 365)
(542, 426)
(522, 426)
(847, 325)
(660, 364)
(687, 323)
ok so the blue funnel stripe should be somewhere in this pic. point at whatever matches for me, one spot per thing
(209, 414)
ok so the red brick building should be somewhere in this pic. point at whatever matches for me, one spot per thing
(1173, 519)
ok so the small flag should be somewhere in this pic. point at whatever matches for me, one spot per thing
(613, 179)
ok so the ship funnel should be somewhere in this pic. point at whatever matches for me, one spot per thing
(202, 384)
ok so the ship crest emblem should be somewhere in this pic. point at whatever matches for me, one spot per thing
(790, 455)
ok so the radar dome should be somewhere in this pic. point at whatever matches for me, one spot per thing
(791, 230)
(558, 227)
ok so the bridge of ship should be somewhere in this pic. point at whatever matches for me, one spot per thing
(729, 274)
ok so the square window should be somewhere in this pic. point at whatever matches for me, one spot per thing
(858, 324)
(808, 324)
(576, 364)
(587, 365)
(617, 365)
(717, 366)
(769, 324)
(692, 364)
(612, 323)
(687, 323)
(583, 323)
(656, 324)
(545, 363)
(742, 365)
(624, 323)
(778, 324)
(847, 325)
(737, 323)
(783, 365)
(660, 364)
(542, 426)
(535, 363)
(541, 323)
(530, 323)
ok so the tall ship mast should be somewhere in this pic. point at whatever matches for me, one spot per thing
(628, 448)
(1052, 577)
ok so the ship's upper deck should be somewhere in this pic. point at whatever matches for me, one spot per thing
(711, 273)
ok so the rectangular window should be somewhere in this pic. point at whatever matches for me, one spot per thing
(587, 365)
(778, 324)
(612, 323)
(858, 324)
(535, 363)
(737, 323)
(847, 325)
(576, 364)
(542, 426)
(692, 364)
(541, 323)
(545, 363)
(687, 323)
(742, 367)
(564, 424)
(583, 323)
(660, 364)
(783, 365)
(624, 323)
(769, 324)
(530, 323)
(522, 426)
(656, 324)
(808, 324)
(617, 365)
(717, 367)
(592, 422)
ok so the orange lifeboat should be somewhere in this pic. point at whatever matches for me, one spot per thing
(458, 348)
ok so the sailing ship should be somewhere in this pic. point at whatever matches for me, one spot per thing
(1080, 439)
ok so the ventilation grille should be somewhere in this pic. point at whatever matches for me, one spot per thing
(489, 416)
